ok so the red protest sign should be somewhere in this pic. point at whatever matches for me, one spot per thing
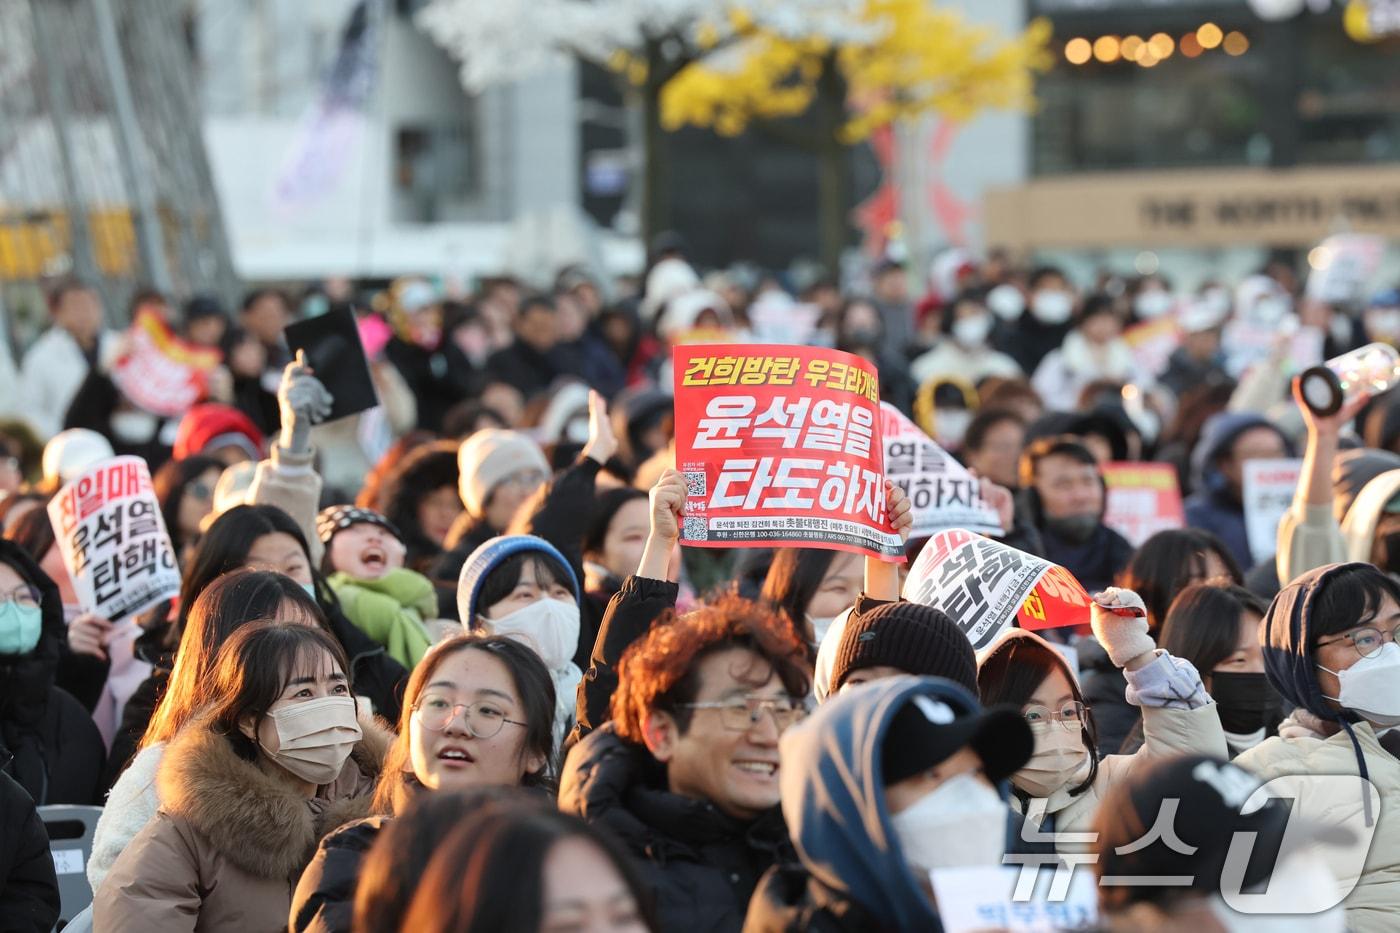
(1143, 499)
(160, 372)
(984, 586)
(780, 445)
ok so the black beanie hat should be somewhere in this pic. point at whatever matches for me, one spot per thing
(914, 638)
(335, 518)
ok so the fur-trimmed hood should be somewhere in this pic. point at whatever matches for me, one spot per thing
(254, 820)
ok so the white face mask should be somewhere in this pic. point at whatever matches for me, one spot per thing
(1271, 309)
(1006, 302)
(960, 823)
(820, 626)
(133, 427)
(1052, 307)
(1371, 686)
(949, 426)
(1152, 304)
(313, 738)
(1059, 755)
(550, 626)
(972, 331)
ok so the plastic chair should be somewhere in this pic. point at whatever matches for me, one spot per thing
(70, 832)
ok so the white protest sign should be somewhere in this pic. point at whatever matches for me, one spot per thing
(942, 493)
(113, 539)
(1268, 490)
(984, 585)
(986, 897)
(1344, 266)
(68, 861)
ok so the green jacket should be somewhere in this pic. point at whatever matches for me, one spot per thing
(390, 610)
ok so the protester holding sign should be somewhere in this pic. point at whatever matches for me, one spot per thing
(1061, 785)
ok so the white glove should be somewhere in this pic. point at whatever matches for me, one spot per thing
(1123, 633)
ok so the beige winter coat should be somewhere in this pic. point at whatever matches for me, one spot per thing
(229, 842)
(1374, 905)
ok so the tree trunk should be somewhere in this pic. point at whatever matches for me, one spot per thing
(833, 175)
(656, 175)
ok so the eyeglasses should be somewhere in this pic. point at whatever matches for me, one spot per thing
(1368, 641)
(24, 596)
(483, 720)
(200, 490)
(743, 714)
(1070, 716)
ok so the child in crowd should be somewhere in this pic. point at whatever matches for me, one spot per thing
(364, 566)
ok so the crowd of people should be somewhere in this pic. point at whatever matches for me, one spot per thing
(444, 665)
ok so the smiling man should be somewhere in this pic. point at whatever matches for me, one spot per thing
(686, 772)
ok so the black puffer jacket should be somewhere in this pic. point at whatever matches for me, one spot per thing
(28, 886)
(630, 613)
(51, 743)
(701, 865)
(324, 901)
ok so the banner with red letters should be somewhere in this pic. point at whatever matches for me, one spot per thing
(1143, 499)
(985, 586)
(781, 446)
(113, 540)
(160, 372)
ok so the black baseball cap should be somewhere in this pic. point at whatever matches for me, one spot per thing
(929, 728)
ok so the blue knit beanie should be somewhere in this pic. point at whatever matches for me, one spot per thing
(491, 555)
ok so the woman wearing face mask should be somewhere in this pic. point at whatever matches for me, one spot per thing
(521, 587)
(246, 790)
(814, 586)
(1152, 298)
(52, 747)
(1094, 350)
(478, 713)
(1042, 326)
(263, 537)
(226, 605)
(964, 349)
(1329, 650)
(1058, 790)
(880, 786)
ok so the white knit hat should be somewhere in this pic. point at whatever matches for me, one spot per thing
(489, 456)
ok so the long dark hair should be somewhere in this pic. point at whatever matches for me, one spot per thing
(424, 469)
(253, 668)
(502, 846)
(225, 547)
(230, 603)
(1014, 671)
(793, 579)
(1198, 625)
(533, 683)
(170, 483)
(1169, 561)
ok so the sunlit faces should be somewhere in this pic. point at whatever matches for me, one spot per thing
(315, 675)
(584, 893)
(437, 511)
(735, 770)
(626, 538)
(901, 795)
(508, 495)
(1337, 652)
(280, 552)
(532, 586)
(366, 551)
(453, 758)
(1068, 487)
(839, 588)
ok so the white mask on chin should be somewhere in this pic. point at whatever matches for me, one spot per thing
(960, 823)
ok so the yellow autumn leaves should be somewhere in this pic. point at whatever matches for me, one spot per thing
(904, 57)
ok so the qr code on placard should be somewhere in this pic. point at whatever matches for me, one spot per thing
(695, 530)
(695, 484)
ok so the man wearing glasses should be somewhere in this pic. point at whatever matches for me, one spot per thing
(1330, 650)
(686, 771)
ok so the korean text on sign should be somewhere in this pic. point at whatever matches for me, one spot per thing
(1143, 499)
(984, 585)
(781, 445)
(942, 493)
(113, 539)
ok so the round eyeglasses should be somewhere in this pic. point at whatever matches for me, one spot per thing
(484, 719)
